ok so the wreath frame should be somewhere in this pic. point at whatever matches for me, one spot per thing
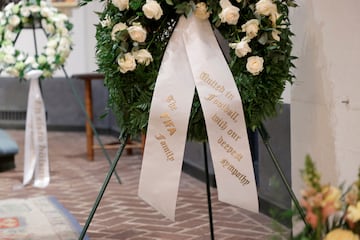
(34, 14)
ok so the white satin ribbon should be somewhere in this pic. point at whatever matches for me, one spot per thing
(194, 58)
(36, 160)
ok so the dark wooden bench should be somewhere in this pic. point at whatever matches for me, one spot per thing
(8, 150)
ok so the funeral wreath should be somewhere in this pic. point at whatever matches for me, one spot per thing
(33, 14)
(132, 36)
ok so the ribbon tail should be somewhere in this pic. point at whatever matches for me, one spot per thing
(223, 113)
(167, 129)
(29, 147)
(42, 175)
(36, 161)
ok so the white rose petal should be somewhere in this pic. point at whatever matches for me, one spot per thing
(152, 9)
(14, 20)
(121, 4)
(46, 12)
(20, 57)
(41, 59)
(117, 27)
(34, 8)
(143, 56)
(229, 14)
(137, 33)
(127, 63)
(52, 43)
(275, 35)
(12, 71)
(265, 7)
(9, 7)
(255, 65)
(241, 48)
(9, 59)
(25, 12)
(251, 28)
(50, 51)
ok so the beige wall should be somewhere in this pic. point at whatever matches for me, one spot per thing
(327, 43)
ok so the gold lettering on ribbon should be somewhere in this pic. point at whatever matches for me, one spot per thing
(168, 153)
(229, 149)
(223, 106)
(234, 172)
(211, 82)
(39, 125)
(222, 124)
(170, 128)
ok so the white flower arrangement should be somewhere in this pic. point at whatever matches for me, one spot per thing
(56, 26)
(132, 36)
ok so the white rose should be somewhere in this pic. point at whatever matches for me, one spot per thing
(34, 8)
(225, 4)
(127, 63)
(229, 13)
(41, 59)
(8, 49)
(14, 20)
(64, 43)
(25, 11)
(50, 59)
(9, 7)
(137, 33)
(274, 17)
(255, 65)
(20, 57)
(46, 73)
(117, 27)
(64, 54)
(19, 66)
(43, 4)
(121, 4)
(50, 51)
(241, 48)
(9, 59)
(46, 12)
(251, 28)
(52, 43)
(48, 27)
(12, 71)
(63, 31)
(143, 57)
(265, 7)
(201, 11)
(30, 60)
(152, 9)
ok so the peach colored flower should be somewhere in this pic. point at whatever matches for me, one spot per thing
(312, 218)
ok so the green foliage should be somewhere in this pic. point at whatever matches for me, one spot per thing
(131, 93)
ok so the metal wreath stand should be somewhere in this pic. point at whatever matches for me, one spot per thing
(113, 163)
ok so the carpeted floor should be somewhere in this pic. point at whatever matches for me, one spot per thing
(75, 182)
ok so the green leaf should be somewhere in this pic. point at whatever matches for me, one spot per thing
(263, 38)
(170, 2)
